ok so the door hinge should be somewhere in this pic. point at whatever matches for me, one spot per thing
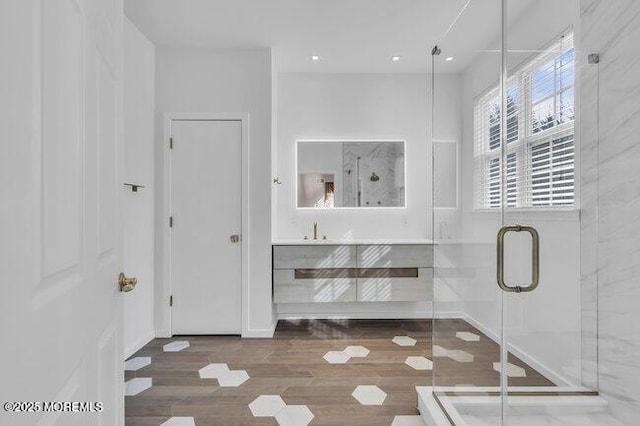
(171, 300)
(170, 143)
(170, 221)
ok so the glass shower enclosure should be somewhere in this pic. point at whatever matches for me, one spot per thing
(514, 217)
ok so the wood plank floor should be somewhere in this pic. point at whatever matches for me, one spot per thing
(292, 365)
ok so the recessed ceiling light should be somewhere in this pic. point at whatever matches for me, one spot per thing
(395, 58)
(315, 58)
(449, 58)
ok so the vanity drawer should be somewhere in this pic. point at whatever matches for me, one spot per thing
(395, 256)
(383, 289)
(289, 289)
(310, 256)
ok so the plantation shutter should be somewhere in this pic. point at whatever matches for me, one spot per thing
(552, 172)
(540, 135)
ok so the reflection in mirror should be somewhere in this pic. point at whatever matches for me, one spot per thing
(333, 174)
(316, 190)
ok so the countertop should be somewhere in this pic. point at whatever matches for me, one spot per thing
(354, 241)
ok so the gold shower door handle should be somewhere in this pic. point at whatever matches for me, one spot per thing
(535, 258)
(126, 284)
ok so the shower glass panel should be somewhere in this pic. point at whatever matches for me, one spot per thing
(515, 283)
(467, 323)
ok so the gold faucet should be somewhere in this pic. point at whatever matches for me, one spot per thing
(315, 230)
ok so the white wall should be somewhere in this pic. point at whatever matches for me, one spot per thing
(224, 81)
(138, 216)
(612, 197)
(361, 106)
(543, 325)
(355, 106)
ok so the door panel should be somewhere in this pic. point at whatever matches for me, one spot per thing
(107, 127)
(110, 366)
(206, 191)
(62, 62)
(59, 186)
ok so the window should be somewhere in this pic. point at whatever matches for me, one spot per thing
(539, 151)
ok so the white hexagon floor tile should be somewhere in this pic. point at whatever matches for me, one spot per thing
(408, 421)
(467, 336)
(336, 357)
(512, 370)
(213, 371)
(460, 356)
(137, 385)
(439, 351)
(356, 351)
(176, 346)
(179, 421)
(266, 405)
(294, 415)
(233, 378)
(404, 341)
(137, 363)
(419, 363)
(369, 395)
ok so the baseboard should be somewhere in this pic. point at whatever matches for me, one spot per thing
(484, 329)
(261, 333)
(450, 315)
(557, 379)
(139, 344)
(254, 333)
(163, 333)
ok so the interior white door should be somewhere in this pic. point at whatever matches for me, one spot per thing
(206, 194)
(60, 244)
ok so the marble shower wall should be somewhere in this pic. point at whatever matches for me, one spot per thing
(386, 161)
(610, 197)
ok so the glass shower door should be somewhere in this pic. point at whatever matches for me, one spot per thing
(515, 286)
(548, 172)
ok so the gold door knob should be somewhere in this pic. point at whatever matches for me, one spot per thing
(126, 284)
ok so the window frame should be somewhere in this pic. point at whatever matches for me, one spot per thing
(527, 138)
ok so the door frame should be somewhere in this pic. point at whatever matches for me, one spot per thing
(165, 280)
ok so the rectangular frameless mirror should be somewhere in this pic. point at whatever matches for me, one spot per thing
(335, 174)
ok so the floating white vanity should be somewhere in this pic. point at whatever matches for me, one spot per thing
(319, 271)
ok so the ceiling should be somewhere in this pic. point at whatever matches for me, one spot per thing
(348, 35)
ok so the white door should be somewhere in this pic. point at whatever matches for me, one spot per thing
(206, 194)
(59, 216)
